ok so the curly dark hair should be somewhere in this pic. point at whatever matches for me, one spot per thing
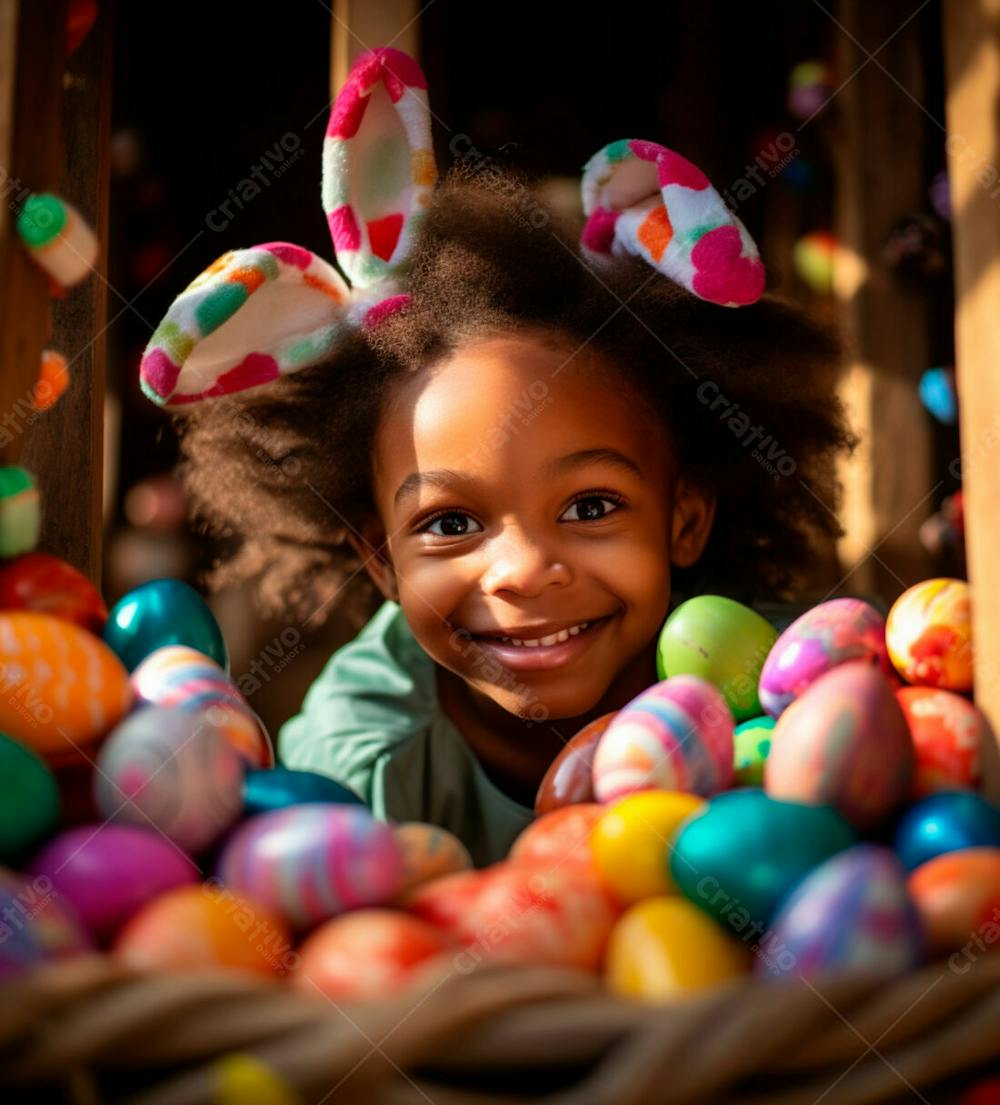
(747, 395)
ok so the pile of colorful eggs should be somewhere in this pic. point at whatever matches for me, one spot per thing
(785, 804)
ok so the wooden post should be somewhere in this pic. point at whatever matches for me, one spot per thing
(972, 61)
(358, 26)
(879, 157)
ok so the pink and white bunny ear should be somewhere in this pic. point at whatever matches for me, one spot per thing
(378, 165)
(644, 199)
(251, 316)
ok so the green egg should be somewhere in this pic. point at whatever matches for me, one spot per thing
(751, 744)
(722, 641)
(29, 798)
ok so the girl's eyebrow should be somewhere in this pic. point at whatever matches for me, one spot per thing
(446, 477)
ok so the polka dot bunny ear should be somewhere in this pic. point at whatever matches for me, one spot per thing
(259, 313)
(643, 199)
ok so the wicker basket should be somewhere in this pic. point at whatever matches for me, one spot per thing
(89, 1031)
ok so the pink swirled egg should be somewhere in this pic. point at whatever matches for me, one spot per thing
(827, 635)
(929, 634)
(677, 735)
(313, 861)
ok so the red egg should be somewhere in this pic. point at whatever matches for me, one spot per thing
(368, 953)
(948, 736)
(570, 775)
(560, 838)
(47, 585)
(958, 898)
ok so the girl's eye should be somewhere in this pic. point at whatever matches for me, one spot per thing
(591, 508)
(453, 522)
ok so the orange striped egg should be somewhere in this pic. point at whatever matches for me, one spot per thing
(60, 686)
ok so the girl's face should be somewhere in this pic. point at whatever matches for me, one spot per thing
(522, 495)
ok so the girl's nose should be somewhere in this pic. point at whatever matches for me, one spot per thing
(521, 564)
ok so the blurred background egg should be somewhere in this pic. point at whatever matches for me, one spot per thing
(949, 733)
(560, 837)
(751, 747)
(569, 778)
(929, 634)
(946, 822)
(958, 897)
(37, 924)
(843, 742)
(47, 585)
(278, 787)
(428, 852)
(678, 735)
(29, 798)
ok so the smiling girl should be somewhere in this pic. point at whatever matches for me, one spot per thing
(527, 458)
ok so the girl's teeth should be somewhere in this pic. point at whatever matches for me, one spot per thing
(552, 639)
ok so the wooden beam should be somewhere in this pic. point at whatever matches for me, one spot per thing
(358, 26)
(972, 62)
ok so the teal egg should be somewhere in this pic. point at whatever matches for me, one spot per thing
(278, 787)
(29, 798)
(163, 612)
(751, 745)
(742, 855)
(719, 640)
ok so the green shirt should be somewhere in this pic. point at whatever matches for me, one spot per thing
(372, 721)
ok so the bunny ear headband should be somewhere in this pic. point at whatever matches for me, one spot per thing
(259, 313)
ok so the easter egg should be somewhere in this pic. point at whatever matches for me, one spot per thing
(678, 735)
(721, 641)
(310, 862)
(206, 926)
(631, 842)
(853, 912)
(958, 898)
(569, 778)
(751, 747)
(369, 953)
(163, 612)
(63, 687)
(948, 733)
(238, 1078)
(738, 858)
(279, 787)
(36, 924)
(664, 947)
(520, 913)
(946, 822)
(929, 634)
(171, 770)
(812, 257)
(47, 585)
(844, 743)
(428, 852)
(29, 798)
(822, 638)
(107, 872)
(559, 837)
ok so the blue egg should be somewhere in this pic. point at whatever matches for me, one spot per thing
(946, 822)
(937, 393)
(279, 787)
(163, 612)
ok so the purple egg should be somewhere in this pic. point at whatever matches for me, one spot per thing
(827, 635)
(37, 924)
(107, 872)
(313, 861)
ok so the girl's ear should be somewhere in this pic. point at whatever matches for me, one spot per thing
(370, 545)
(694, 513)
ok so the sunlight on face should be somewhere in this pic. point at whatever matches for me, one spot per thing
(495, 520)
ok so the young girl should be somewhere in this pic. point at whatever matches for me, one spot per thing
(529, 454)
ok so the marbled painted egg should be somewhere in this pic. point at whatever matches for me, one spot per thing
(853, 912)
(369, 953)
(29, 798)
(632, 840)
(63, 687)
(751, 747)
(844, 742)
(958, 898)
(560, 837)
(719, 640)
(570, 777)
(827, 635)
(520, 913)
(929, 634)
(739, 858)
(171, 769)
(279, 787)
(428, 852)
(36, 924)
(310, 862)
(108, 872)
(664, 948)
(177, 675)
(678, 735)
(163, 612)
(949, 733)
(946, 822)
(47, 585)
(207, 925)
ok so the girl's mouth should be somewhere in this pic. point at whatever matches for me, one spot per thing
(537, 657)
